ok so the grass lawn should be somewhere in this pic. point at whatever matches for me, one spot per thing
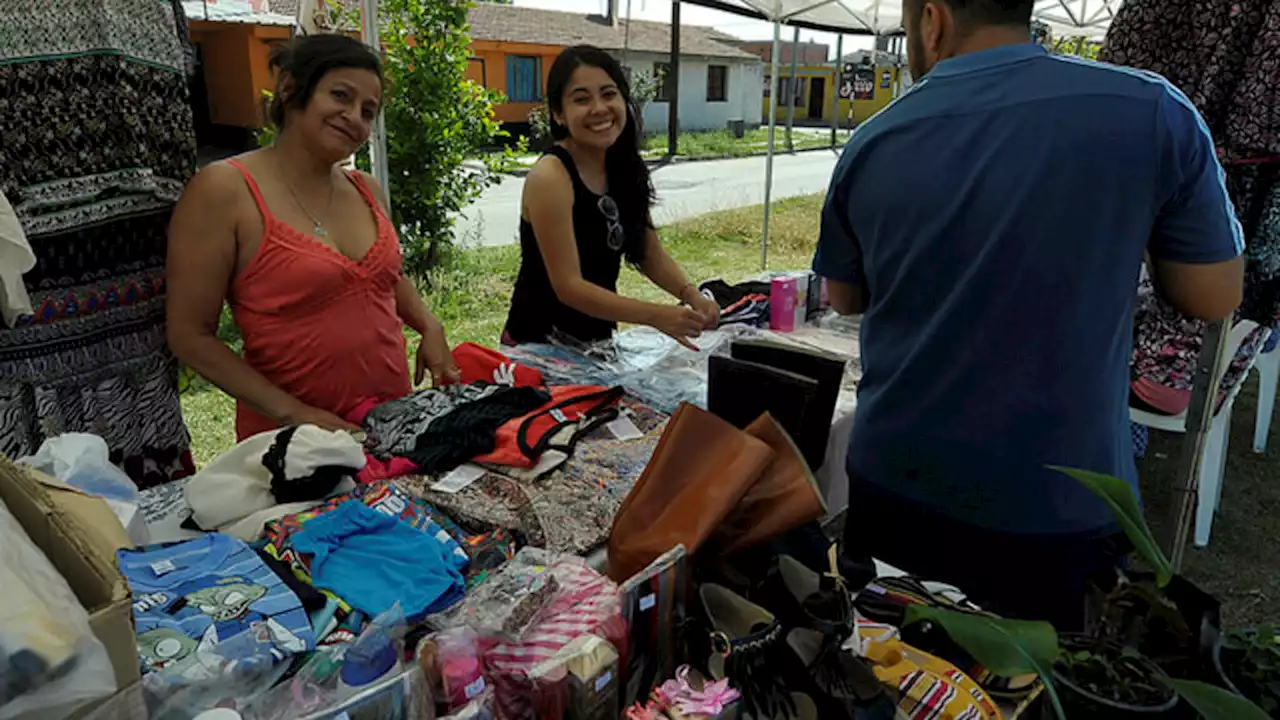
(471, 295)
(722, 143)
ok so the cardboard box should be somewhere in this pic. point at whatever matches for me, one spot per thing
(80, 535)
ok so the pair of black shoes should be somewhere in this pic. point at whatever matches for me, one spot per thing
(780, 643)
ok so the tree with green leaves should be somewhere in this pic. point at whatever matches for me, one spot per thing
(436, 119)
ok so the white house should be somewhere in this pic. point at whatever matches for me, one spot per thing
(714, 90)
(513, 48)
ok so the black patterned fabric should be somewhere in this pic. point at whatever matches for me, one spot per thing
(98, 144)
(1224, 54)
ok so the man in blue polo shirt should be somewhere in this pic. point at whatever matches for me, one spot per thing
(991, 224)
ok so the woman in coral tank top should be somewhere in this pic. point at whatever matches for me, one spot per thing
(304, 253)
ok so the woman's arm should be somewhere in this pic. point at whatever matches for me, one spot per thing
(548, 203)
(433, 352)
(666, 273)
(200, 265)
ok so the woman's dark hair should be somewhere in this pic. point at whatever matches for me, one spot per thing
(308, 58)
(625, 170)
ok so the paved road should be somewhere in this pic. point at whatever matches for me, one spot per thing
(685, 190)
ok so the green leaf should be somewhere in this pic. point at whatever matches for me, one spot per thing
(1214, 703)
(1005, 647)
(1118, 496)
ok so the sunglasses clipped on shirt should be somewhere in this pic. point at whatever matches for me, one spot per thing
(609, 209)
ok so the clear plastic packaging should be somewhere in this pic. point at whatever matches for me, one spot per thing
(481, 708)
(505, 605)
(83, 461)
(582, 681)
(227, 681)
(49, 657)
(651, 366)
(458, 655)
(364, 678)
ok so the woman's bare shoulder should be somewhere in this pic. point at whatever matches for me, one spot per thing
(549, 177)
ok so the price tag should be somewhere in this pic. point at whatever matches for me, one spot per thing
(459, 478)
(163, 566)
(624, 429)
(647, 602)
(474, 689)
(603, 681)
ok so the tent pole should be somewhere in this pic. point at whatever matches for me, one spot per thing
(378, 138)
(1204, 389)
(673, 103)
(791, 96)
(774, 85)
(835, 90)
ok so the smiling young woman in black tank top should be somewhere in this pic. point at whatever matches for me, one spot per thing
(585, 208)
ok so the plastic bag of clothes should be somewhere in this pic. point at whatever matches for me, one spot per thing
(50, 660)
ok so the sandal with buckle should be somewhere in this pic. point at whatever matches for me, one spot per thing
(817, 613)
(744, 643)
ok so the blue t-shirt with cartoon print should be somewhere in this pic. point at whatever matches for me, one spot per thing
(211, 592)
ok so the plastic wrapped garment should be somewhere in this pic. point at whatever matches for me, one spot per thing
(650, 365)
(50, 660)
(586, 603)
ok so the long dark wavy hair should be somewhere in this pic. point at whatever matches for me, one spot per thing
(630, 185)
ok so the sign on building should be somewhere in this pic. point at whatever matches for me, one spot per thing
(858, 82)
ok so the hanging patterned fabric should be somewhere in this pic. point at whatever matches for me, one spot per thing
(1224, 54)
(99, 142)
(1255, 188)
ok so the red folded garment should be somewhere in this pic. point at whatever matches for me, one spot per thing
(521, 442)
(480, 364)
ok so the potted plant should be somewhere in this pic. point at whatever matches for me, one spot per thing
(1248, 663)
(1094, 676)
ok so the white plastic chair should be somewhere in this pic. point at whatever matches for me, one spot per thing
(1268, 367)
(1214, 460)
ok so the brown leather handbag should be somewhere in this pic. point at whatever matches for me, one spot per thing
(785, 496)
(700, 471)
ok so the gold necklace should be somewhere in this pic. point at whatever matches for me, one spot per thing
(319, 229)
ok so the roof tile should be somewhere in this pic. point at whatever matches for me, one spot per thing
(508, 23)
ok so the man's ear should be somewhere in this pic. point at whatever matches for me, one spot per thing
(934, 19)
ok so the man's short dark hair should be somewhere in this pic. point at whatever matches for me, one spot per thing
(989, 12)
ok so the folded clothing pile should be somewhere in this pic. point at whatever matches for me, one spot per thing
(360, 548)
(501, 414)
(270, 475)
(200, 603)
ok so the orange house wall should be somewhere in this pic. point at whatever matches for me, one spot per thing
(228, 74)
(494, 57)
(237, 71)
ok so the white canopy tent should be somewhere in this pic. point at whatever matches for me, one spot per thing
(1088, 19)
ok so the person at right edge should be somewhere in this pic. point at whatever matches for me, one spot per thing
(991, 225)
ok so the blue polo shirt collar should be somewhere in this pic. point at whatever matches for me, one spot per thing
(987, 59)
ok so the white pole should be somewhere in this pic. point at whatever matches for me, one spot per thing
(774, 86)
(378, 138)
